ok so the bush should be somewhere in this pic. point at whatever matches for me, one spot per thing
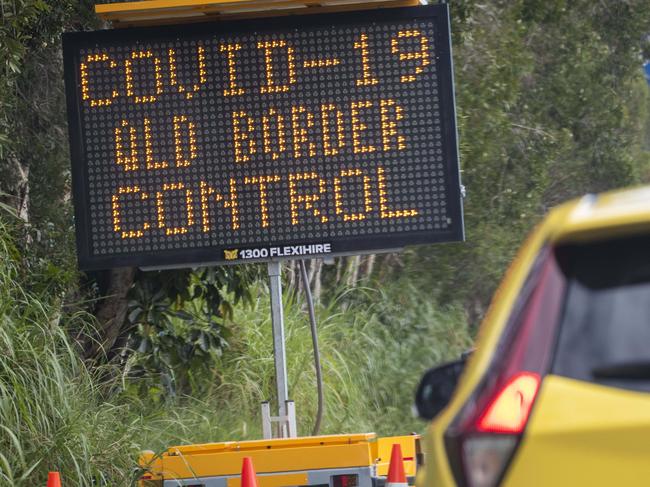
(57, 414)
(375, 345)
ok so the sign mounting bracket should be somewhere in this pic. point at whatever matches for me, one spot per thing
(274, 269)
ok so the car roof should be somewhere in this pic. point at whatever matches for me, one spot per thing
(595, 217)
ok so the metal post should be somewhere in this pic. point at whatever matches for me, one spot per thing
(277, 320)
(267, 421)
(291, 419)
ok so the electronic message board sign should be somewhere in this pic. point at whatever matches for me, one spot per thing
(252, 140)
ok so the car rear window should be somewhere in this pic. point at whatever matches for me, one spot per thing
(605, 327)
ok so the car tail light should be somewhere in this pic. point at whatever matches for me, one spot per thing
(509, 410)
(483, 438)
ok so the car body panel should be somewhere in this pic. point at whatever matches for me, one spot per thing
(607, 215)
(582, 433)
(591, 217)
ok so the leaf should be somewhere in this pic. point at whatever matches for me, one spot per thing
(204, 342)
(184, 315)
(135, 313)
(145, 345)
(227, 310)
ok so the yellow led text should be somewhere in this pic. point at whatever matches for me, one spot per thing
(130, 161)
(268, 136)
(301, 121)
(262, 183)
(203, 76)
(321, 63)
(326, 111)
(85, 89)
(128, 68)
(117, 216)
(384, 211)
(367, 78)
(279, 62)
(358, 127)
(297, 191)
(296, 199)
(323, 133)
(233, 88)
(245, 145)
(126, 144)
(148, 148)
(421, 55)
(391, 139)
(272, 85)
(182, 126)
(209, 194)
(160, 207)
(338, 195)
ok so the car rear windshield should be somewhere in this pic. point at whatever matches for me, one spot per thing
(605, 328)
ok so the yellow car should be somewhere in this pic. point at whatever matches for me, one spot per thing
(557, 392)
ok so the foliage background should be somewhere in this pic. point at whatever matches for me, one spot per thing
(551, 104)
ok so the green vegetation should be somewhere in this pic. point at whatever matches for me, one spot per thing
(551, 105)
(56, 412)
(52, 409)
(94, 368)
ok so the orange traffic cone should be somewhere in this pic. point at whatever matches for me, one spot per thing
(248, 476)
(53, 479)
(396, 476)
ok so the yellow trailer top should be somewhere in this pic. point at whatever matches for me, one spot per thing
(307, 461)
(139, 12)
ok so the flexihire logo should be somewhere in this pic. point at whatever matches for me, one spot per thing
(230, 254)
(275, 252)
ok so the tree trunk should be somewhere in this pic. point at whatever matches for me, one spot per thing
(316, 269)
(339, 269)
(369, 267)
(291, 272)
(353, 271)
(111, 312)
(23, 193)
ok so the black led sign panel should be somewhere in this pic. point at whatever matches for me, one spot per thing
(234, 141)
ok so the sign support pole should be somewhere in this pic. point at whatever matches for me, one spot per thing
(279, 350)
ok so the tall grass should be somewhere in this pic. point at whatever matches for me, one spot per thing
(374, 345)
(57, 414)
(52, 411)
